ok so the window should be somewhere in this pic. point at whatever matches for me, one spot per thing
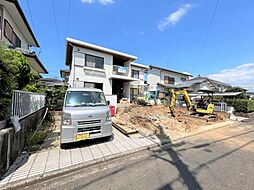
(135, 74)
(16, 41)
(85, 98)
(169, 80)
(93, 85)
(93, 61)
(8, 30)
(11, 35)
(183, 79)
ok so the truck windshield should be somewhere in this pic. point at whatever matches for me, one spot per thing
(85, 98)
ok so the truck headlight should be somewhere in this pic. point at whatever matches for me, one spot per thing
(108, 116)
(66, 118)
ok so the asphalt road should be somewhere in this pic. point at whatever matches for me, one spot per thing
(218, 159)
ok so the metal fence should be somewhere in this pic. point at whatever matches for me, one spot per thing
(26, 103)
(218, 106)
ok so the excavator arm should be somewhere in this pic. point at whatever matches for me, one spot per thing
(173, 99)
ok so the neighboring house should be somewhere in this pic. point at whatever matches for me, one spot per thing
(94, 66)
(140, 86)
(65, 73)
(52, 83)
(198, 83)
(161, 78)
(250, 94)
(17, 34)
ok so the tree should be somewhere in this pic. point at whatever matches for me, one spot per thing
(15, 74)
(235, 89)
(238, 89)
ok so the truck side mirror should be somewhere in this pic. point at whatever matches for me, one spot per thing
(108, 102)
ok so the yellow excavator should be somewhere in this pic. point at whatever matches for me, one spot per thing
(203, 107)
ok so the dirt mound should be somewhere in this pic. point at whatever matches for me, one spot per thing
(158, 120)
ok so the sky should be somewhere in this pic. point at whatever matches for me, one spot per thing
(207, 37)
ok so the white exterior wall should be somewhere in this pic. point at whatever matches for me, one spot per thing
(7, 16)
(176, 76)
(141, 80)
(153, 78)
(157, 76)
(80, 73)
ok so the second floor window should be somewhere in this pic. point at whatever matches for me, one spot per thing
(135, 74)
(169, 80)
(11, 35)
(95, 62)
(183, 79)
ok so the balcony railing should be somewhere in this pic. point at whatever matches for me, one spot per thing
(120, 70)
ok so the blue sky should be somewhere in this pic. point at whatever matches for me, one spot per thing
(166, 33)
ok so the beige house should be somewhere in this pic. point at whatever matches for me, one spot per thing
(17, 34)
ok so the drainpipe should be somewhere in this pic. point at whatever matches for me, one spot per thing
(1, 21)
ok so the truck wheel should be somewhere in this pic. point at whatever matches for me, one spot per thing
(108, 137)
(63, 146)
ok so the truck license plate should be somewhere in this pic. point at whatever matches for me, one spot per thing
(83, 136)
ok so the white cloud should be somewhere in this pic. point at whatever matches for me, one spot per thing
(174, 17)
(242, 75)
(88, 1)
(106, 2)
(103, 2)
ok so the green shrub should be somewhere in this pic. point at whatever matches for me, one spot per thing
(242, 105)
(55, 97)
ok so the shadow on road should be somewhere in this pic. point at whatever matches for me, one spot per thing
(184, 173)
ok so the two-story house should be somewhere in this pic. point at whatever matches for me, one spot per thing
(16, 33)
(161, 78)
(95, 66)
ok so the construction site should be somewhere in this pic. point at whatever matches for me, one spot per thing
(158, 120)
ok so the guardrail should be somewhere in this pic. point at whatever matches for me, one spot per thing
(26, 103)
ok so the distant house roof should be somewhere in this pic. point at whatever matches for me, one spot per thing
(224, 94)
(160, 68)
(52, 82)
(64, 73)
(71, 41)
(13, 7)
(212, 80)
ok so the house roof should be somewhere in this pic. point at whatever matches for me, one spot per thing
(212, 80)
(13, 7)
(224, 94)
(64, 73)
(196, 80)
(34, 61)
(140, 65)
(160, 68)
(71, 41)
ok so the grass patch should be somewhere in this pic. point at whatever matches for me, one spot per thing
(38, 139)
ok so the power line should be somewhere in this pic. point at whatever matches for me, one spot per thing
(57, 32)
(68, 17)
(206, 35)
(30, 13)
(31, 17)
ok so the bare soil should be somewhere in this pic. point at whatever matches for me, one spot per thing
(157, 120)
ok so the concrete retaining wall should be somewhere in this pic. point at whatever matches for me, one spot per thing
(12, 144)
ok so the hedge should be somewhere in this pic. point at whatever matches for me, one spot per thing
(242, 105)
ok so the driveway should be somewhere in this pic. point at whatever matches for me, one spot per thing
(221, 158)
(83, 153)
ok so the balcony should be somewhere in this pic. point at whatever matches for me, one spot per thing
(120, 70)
